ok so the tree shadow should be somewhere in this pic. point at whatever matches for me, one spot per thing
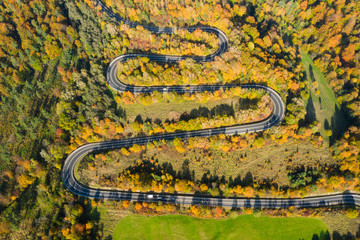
(157, 121)
(26, 201)
(248, 179)
(208, 178)
(185, 173)
(219, 110)
(340, 122)
(324, 235)
(337, 236)
(320, 102)
(139, 119)
(246, 103)
(238, 180)
(326, 124)
(310, 110)
(311, 72)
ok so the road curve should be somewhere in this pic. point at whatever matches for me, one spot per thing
(68, 174)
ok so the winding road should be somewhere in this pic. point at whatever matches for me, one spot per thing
(68, 174)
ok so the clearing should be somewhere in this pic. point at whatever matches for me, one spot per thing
(323, 106)
(270, 163)
(174, 109)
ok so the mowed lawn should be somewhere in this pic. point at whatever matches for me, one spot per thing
(242, 227)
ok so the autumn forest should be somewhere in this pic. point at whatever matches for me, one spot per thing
(54, 98)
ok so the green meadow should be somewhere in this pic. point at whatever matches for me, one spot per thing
(242, 227)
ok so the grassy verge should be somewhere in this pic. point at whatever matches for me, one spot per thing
(242, 227)
(323, 105)
(109, 218)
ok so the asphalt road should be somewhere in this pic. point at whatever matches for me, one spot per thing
(276, 117)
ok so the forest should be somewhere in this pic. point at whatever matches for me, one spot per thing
(55, 97)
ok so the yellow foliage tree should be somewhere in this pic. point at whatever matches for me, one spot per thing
(203, 187)
(348, 52)
(249, 192)
(138, 206)
(135, 148)
(125, 152)
(334, 41)
(25, 180)
(125, 204)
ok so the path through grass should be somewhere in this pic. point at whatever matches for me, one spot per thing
(242, 227)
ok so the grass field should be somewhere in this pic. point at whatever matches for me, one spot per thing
(242, 227)
(324, 107)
